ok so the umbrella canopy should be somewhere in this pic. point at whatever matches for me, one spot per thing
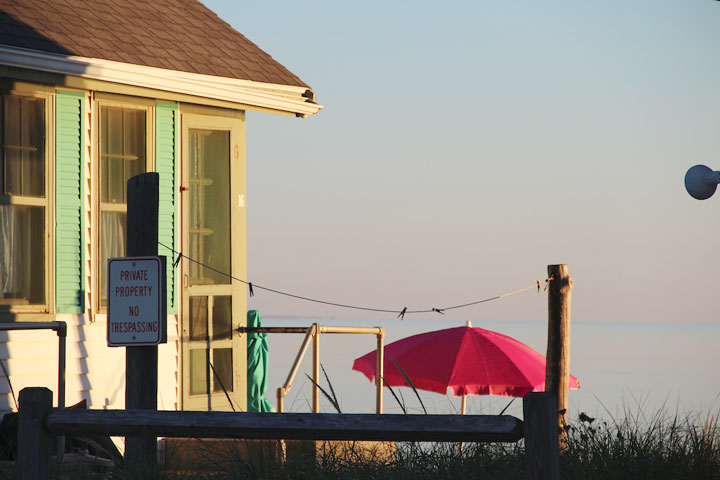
(257, 365)
(467, 360)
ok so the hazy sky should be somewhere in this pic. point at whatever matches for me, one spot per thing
(464, 146)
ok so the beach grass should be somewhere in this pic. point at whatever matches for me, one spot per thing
(634, 446)
(657, 446)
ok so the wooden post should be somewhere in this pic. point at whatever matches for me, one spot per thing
(34, 453)
(141, 365)
(541, 440)
(557, 368)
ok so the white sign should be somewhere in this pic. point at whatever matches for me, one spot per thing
(135, 302)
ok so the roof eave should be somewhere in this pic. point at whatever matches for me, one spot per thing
(288, 99)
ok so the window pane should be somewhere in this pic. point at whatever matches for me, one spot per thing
(198, 371)
(122, 150)
(222, 318)
(198, 318)
(122, 156)
(33, 143)
(134, 143)
(11, 143)
(112, 244)
(22, 255)
(209, 205)
(223, 374)
(23, 169)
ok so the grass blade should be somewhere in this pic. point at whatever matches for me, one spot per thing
(410, 382)
(506, 406)
(332, 390)
(402, 404)
(327, 395)
(232, 405)
(7, 377)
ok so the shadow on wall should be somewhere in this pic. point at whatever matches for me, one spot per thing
(17, 33)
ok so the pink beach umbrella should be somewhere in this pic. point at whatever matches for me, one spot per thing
(467, 360)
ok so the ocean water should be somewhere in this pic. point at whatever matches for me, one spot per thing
(634, 369)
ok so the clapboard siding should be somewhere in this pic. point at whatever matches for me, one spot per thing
(94, 371)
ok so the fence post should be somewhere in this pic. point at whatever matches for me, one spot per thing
(34, 453)
(557, 370)
(141, 363)
(541, 439)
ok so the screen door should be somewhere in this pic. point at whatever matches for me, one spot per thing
(213, 235)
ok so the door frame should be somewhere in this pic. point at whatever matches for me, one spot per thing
(233, 122)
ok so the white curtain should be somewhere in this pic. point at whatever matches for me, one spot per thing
(112, 243)
(9, 284)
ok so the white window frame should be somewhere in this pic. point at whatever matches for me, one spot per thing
(48, 202)
(100, 101)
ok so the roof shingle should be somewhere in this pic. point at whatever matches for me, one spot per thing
(173, 34)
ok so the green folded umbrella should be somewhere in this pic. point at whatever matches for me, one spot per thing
(257, 365)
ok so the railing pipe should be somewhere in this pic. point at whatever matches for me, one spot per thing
(62, 360)
(332, 329)
(282, 391)
(272, 329)
(323, 329)
(316, 369)
(313, 332)
(380, 371)
(61, 329)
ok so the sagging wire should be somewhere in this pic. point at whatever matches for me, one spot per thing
(400, 313)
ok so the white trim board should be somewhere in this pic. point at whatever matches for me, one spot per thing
(282, 98)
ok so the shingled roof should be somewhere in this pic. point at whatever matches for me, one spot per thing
(181, 35)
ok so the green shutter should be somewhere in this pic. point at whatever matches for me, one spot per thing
(166, 154)
(69, 146)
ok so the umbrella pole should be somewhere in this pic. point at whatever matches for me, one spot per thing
(463, 406)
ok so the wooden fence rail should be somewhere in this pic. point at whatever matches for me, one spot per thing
(291, 426)
(39, 423)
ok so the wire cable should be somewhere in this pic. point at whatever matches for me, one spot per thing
(401, 313)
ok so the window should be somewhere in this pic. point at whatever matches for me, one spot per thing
(123, 154)
(23, 202)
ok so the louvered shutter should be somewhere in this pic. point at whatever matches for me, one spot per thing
(70, 259)
(166, 154)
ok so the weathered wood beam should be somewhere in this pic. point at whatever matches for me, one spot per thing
(541, 438)
(299, 426)
(557, 367)
(141, 363)
(34, 442)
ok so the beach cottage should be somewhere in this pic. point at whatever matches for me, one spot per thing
(94, 92)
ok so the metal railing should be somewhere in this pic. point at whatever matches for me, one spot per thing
(313, 333)
(61, 329)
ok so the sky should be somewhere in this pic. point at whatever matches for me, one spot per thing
(465, 146)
